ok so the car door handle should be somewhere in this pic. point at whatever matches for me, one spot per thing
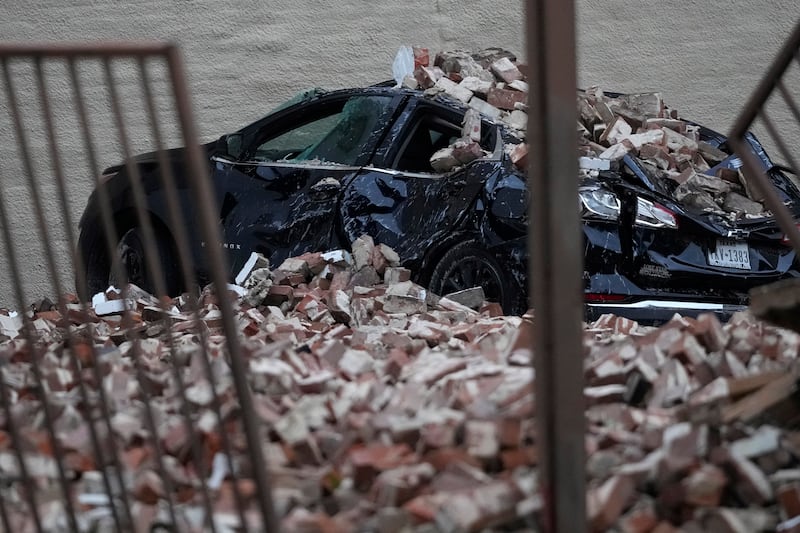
(325, 189)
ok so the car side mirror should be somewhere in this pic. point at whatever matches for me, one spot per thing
(231, 145)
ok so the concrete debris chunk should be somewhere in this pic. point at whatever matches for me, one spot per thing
(519, 156)
(471, 126)
(594, 163)
(254, 262)
(10, 325)
(457, 91)
(737, 203)
(466, 151)
(484, 107)
(473, 297)
(427, 76)
(516, 119)
(444, 160)
(506, 70)
(477, 85)
(459, 65)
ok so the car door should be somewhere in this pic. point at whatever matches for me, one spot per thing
(401, 201)
(280, 196)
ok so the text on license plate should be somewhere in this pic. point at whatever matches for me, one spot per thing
(730, 253)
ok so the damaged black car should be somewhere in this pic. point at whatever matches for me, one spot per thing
(414, 170)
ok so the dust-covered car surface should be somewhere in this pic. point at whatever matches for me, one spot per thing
(444, 186)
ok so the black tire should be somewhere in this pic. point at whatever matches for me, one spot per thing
(131, 251)
(469, 264)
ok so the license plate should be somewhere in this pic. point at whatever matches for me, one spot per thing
(731, 254)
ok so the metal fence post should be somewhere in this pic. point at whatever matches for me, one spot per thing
(555, 251)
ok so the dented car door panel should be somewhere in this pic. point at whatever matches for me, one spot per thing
(278, 212)
(402, 201)
(283, 198)
(409, 212)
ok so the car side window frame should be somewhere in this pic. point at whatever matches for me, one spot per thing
(318, 109)
(415, 115)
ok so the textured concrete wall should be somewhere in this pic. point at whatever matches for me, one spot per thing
(245, 56)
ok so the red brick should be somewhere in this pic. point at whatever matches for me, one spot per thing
(704, 486)
(505, 98)
(505, 70)
(422, 57)
(369, 460)
(606, 503)
(516, 457)
(427, 76)
(442, 457)
(424, 508)
(642, 518)
(788, 497)
(519, 157)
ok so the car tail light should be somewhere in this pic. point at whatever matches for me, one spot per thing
(785, 240)
(597, 202)
(653, 215)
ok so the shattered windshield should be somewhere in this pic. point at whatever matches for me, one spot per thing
(339, 134)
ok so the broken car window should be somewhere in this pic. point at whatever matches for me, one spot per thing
(292, 143)
(428, 134)
(338, 134)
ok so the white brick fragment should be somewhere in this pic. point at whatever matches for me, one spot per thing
(485, 108)
(454, 89)
(594, 163)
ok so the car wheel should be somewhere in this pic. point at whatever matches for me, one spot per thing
(131, 251)
(469, 265)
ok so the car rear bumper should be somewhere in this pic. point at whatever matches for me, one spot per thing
(659, 311)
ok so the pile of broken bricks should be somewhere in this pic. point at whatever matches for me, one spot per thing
(493, 82)
(383, 407)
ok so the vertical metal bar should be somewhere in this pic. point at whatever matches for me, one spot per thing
(783, 148)
(4, 511)
(29, 490)
(781, 213)
(33, 189)
(177, 222)
(170, 192)
(76, 365)
(106, 216)
(787, 97)
(555, 253)
(154, 266)
(136, 353)
(137, 190)
(110, 233)
(204, 201)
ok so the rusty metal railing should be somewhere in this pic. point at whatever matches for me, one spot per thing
(40, 494)
(756, 112)
(556, 263)
(777, 302)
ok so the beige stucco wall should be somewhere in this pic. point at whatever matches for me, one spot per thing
(245, 56)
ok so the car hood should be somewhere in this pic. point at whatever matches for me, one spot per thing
(173, 155)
